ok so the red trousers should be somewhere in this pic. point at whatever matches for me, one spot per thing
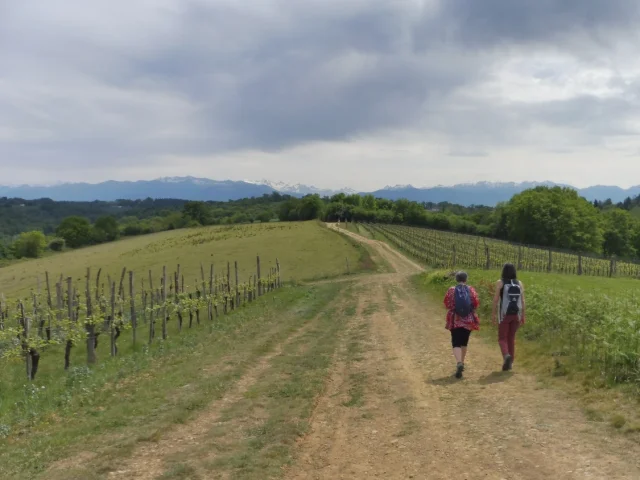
(507, 335)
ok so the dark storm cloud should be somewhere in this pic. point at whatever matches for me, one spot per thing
(490, 22)
(86, 83)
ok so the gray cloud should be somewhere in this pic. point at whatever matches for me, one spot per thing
(120, 82)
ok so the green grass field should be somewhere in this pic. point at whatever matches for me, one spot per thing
(101, 413)
(305, 251)
(584, 330)
(90, 422)
(63, 412)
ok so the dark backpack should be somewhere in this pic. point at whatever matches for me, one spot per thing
(462, 296)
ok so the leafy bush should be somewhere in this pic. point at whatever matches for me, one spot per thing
(56, 245)
(29, 245)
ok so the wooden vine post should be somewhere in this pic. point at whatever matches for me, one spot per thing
(164, 302)
(579, 264)
(487, 254)
(259, 277)
(612, 267)
(89, 323)
(152, 319)
(69, 345)
(519, 257)
(132, 306)
(24, 323)
(112, 316)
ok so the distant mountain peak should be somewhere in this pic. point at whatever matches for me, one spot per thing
(398, 187)
(194, 188)
(299, 188)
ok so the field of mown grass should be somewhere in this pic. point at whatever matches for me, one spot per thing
(306, 251)
(583, 329)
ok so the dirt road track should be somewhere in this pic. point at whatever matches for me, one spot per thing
(416, 421)
(392, 410)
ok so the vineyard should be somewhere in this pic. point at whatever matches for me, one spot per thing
(76, 316)
(590, 320)
(451, 250)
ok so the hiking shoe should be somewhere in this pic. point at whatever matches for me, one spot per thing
(508, 361)
(459, 370)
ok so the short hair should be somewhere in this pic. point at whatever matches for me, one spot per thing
(461, 277)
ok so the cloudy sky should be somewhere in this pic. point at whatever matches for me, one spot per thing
(358, 93)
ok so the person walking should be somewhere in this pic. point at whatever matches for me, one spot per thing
(508, 312)
(461, 303)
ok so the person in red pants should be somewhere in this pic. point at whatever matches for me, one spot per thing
(508, 312)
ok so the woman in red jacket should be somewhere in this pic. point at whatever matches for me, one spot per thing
(461, 303)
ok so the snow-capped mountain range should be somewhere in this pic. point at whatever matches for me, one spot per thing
(192, 188)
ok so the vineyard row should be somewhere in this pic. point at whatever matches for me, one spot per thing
(70, 316)
(453, 250)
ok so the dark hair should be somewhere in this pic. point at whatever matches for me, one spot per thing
(509, 272)
(461, 277)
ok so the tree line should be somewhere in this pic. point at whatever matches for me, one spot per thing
(29, 228)
(553, 217)
(544, 216)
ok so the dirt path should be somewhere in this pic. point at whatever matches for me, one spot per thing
(415, 421)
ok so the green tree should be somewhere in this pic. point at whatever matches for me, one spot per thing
(56, 245)
(335, 211)
(106, 229)
(197, 211)
(354, 200)
(265, 216)
(619, 233)
(289, 210)
(30, 245)
(76, 231)
(311, 207)
(369, 202)
(554, 217)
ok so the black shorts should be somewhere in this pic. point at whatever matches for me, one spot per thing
(460, 337)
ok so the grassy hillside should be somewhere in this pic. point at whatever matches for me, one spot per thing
(60, 411)
(305, 251)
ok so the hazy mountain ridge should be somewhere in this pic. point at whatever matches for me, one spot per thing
(193, 188)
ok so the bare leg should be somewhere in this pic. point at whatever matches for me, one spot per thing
(457, 352)
(464, 353)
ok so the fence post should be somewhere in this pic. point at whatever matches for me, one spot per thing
(152, 313)
(24, 323)
(519, 257)
(89, 325)
(612, 267)
(550, 264)
(235, 266)
(132, 301)
(164, 302)
(259, 277)
(488, 255)
(112, 324)
(579, 264)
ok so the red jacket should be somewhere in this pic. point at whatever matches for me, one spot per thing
(471, 322)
